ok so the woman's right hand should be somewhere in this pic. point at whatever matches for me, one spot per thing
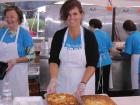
(52, 86)
(11, 64)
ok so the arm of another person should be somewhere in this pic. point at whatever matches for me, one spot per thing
(54, 58)
(28, 46)
(92, 56)
(110, 46)
(128, 48)
(54, 61)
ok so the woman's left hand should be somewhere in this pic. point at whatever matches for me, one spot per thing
(80, 90)
(11, 63)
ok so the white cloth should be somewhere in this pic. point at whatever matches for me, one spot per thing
(72, 69)
(134, 71)
(110, 79)
(18, 75)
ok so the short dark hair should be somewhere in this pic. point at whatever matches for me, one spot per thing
(67, 6)
(129, 25)
(95, 23)
(17, 10)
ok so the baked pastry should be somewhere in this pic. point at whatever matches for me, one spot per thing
(61, 99)
(97, 100)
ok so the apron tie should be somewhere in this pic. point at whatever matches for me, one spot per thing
(100, 74)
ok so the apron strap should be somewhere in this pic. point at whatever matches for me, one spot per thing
(16, 35)
(82, 36)
(100, 74)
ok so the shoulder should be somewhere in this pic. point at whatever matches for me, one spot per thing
(24, 35)
(24, 30)
(87, 32)
(135, 33)
(89, 35)
(2, 30)
(60, 33)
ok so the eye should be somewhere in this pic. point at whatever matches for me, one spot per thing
(75, 13)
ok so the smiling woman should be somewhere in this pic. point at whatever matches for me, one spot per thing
(16, 48)
(70, 75)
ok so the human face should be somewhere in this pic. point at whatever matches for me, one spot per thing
(74, 18)
(11, 18)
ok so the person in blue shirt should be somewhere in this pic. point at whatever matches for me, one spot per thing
(103, 67)
(16, 48)
(132, 50)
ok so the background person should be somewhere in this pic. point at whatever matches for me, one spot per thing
(132, 50)
(103, 67)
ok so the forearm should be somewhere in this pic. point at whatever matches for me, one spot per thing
(53, 70)
(90, 70)
(114, 50)
(21, 59)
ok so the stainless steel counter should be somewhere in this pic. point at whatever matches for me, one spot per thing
(121, 73)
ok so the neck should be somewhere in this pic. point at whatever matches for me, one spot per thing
(129, 32)
(74, 32)
(14, 29)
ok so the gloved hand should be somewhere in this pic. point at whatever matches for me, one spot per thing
(80, 90)
(11, 63)
(52, 86)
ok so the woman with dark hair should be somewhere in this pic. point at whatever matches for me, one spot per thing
(105, 46)
(73, 54)
(132, 49)
(16, 48)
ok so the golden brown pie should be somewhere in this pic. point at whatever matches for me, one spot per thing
(61, 99)
(97, 100)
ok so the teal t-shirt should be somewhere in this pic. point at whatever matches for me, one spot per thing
(24, 40)
(73, 44)
(104, 44)
(132, 44)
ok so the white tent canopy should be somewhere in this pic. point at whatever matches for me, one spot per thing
(115, 3)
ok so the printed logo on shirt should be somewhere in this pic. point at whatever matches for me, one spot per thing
(72, 47)
(71, 44)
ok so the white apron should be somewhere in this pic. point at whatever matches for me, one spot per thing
(18, 75)
(134, 71)
(72, 69)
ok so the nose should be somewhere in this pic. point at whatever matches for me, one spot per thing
(70, 16)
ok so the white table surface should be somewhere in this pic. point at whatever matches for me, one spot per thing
(130, 100)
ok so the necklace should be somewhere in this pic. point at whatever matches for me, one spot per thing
(12, 33)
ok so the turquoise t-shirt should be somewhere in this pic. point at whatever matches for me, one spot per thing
(24, 40)
(132, 44)
(104, 44)
(73, 44)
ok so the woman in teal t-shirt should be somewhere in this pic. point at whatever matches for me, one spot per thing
(16, 48)
(132, 48)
